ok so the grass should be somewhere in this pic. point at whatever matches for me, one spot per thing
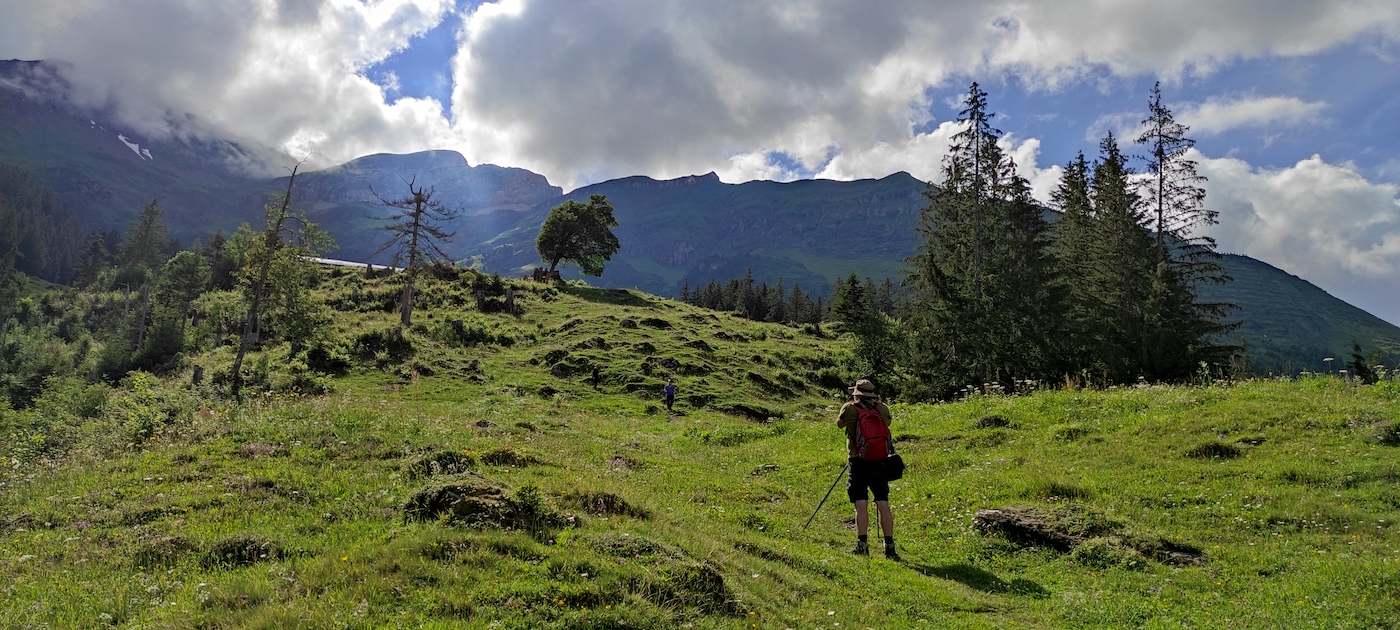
(598, 509)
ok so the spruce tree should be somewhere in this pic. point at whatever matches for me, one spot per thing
(981, 280)
(96, 259)
(1120, 268)
(1183, 332)
(415, 231)
(146, 239)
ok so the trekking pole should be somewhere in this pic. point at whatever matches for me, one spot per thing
(828, 494)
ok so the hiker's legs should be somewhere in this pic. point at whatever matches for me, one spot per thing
(863, 517)
(886, 518)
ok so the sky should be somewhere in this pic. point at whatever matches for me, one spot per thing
(1294, 104)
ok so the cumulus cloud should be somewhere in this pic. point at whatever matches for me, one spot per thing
(1324, 222)
(582, 91)
(279, 72)
(1217, 115)
(671, 88)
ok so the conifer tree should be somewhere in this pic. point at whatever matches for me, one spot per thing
(1183, 331)
(146, 239)
(1119, 273)
(95, 259)
(415, 231)
(981, 280)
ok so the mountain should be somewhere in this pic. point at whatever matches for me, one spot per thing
(696, 229)
(343, 199)
(1288, 324)
(691, 229)
(812, 232)
(104, 172)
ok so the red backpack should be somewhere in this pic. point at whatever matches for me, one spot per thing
(872, 435)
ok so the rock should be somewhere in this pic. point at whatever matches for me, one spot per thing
(1022, 527)
(627, 323)
(465, 499)
(656, 322)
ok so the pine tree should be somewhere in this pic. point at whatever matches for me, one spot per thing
(1119, 273)
(146, 239)
(777, 303)
(1182, 331)
(981, 280)
(415, 232)
(96, 259)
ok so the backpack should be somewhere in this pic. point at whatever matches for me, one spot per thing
(872, 435)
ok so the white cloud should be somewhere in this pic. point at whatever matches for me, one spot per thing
(278, 72)
(1324, 222)
(1217, 115)
(581, 91)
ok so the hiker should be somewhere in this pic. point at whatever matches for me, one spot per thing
(670, 393)
(595, 377)
(867, 421)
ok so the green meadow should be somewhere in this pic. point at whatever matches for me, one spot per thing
(464, 473)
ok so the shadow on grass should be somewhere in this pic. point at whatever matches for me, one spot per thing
(975, 578)
(621, 297)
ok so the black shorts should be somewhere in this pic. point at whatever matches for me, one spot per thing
(867, 475)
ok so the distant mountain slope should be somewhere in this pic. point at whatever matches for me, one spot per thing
(105, 173)
(813, 232)
(691, 229)
(1288, 324)
(698, 228)
(341, 201)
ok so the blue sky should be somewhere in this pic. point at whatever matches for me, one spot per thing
(1295, 104)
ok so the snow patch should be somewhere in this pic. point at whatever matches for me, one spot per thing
(136, 148)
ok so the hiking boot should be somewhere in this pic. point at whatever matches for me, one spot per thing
(861, 549)
(890, 553)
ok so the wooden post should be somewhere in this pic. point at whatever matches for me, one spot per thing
(510, 301)
(198, 375)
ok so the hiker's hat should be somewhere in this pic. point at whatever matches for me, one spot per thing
(864, 389)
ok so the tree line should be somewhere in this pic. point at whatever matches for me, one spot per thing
(999, 295)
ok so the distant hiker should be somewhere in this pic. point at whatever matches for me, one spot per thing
(867, 424)
(670, 393)
(596, 377)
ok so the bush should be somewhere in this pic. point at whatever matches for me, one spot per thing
(1214, 450)
(328, 357)
(1386, 433)
(1104, 553)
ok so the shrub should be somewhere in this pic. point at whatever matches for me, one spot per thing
(1386, 433)
(1214, 450)
(1104, 553)
(328, 357)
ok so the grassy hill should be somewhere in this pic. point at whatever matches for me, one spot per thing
(1288, 325)
(469, 476)
(815, 232)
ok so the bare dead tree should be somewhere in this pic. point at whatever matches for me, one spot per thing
(415, 232)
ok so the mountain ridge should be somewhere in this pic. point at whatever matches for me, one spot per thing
(685, 230)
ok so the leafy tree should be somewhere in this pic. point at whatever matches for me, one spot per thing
(275, 272)
(982, 281)
(579, 233)
(415, 231)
